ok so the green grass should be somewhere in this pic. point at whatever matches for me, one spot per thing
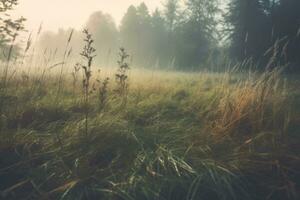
(179, 136)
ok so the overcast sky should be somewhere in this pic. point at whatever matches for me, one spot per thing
(72, 13)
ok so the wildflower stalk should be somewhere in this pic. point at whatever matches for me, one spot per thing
(121, 75)
(88, 55)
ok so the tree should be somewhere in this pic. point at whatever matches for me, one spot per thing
(249, 29)
(285, 15)
(143, 14)
(196, 35)
(204, 13)
(171, 13)
(129, 30)
(105, 33)
(135, 31)
(9, 28)
(144, 28)
(159, 40)
(264, 29)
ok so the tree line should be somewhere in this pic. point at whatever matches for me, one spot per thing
(188, 34)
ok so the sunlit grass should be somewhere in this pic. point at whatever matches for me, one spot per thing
(179, 136)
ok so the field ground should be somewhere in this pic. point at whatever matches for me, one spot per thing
(170, 136)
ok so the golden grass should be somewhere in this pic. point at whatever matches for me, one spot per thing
(190, 131)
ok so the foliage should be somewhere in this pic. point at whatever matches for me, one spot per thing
(88, 55)
(9, 28)
(105, 33)
(121, 75)
(171, 13)
(184, 34)
(174, 37)
(258, 28)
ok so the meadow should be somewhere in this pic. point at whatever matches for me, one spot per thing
(149, 134)
(203, 106)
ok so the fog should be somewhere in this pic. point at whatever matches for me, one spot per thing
(179, 34)
(72, 13)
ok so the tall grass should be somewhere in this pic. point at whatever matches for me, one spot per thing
(229, 135)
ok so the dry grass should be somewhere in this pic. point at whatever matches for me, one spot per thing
(180, 136)
(67, 134)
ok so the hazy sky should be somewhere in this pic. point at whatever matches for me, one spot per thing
(72, 13)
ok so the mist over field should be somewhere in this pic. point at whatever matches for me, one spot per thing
(153, 99)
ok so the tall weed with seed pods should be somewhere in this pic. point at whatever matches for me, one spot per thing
(88, 54)
(121, 76)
